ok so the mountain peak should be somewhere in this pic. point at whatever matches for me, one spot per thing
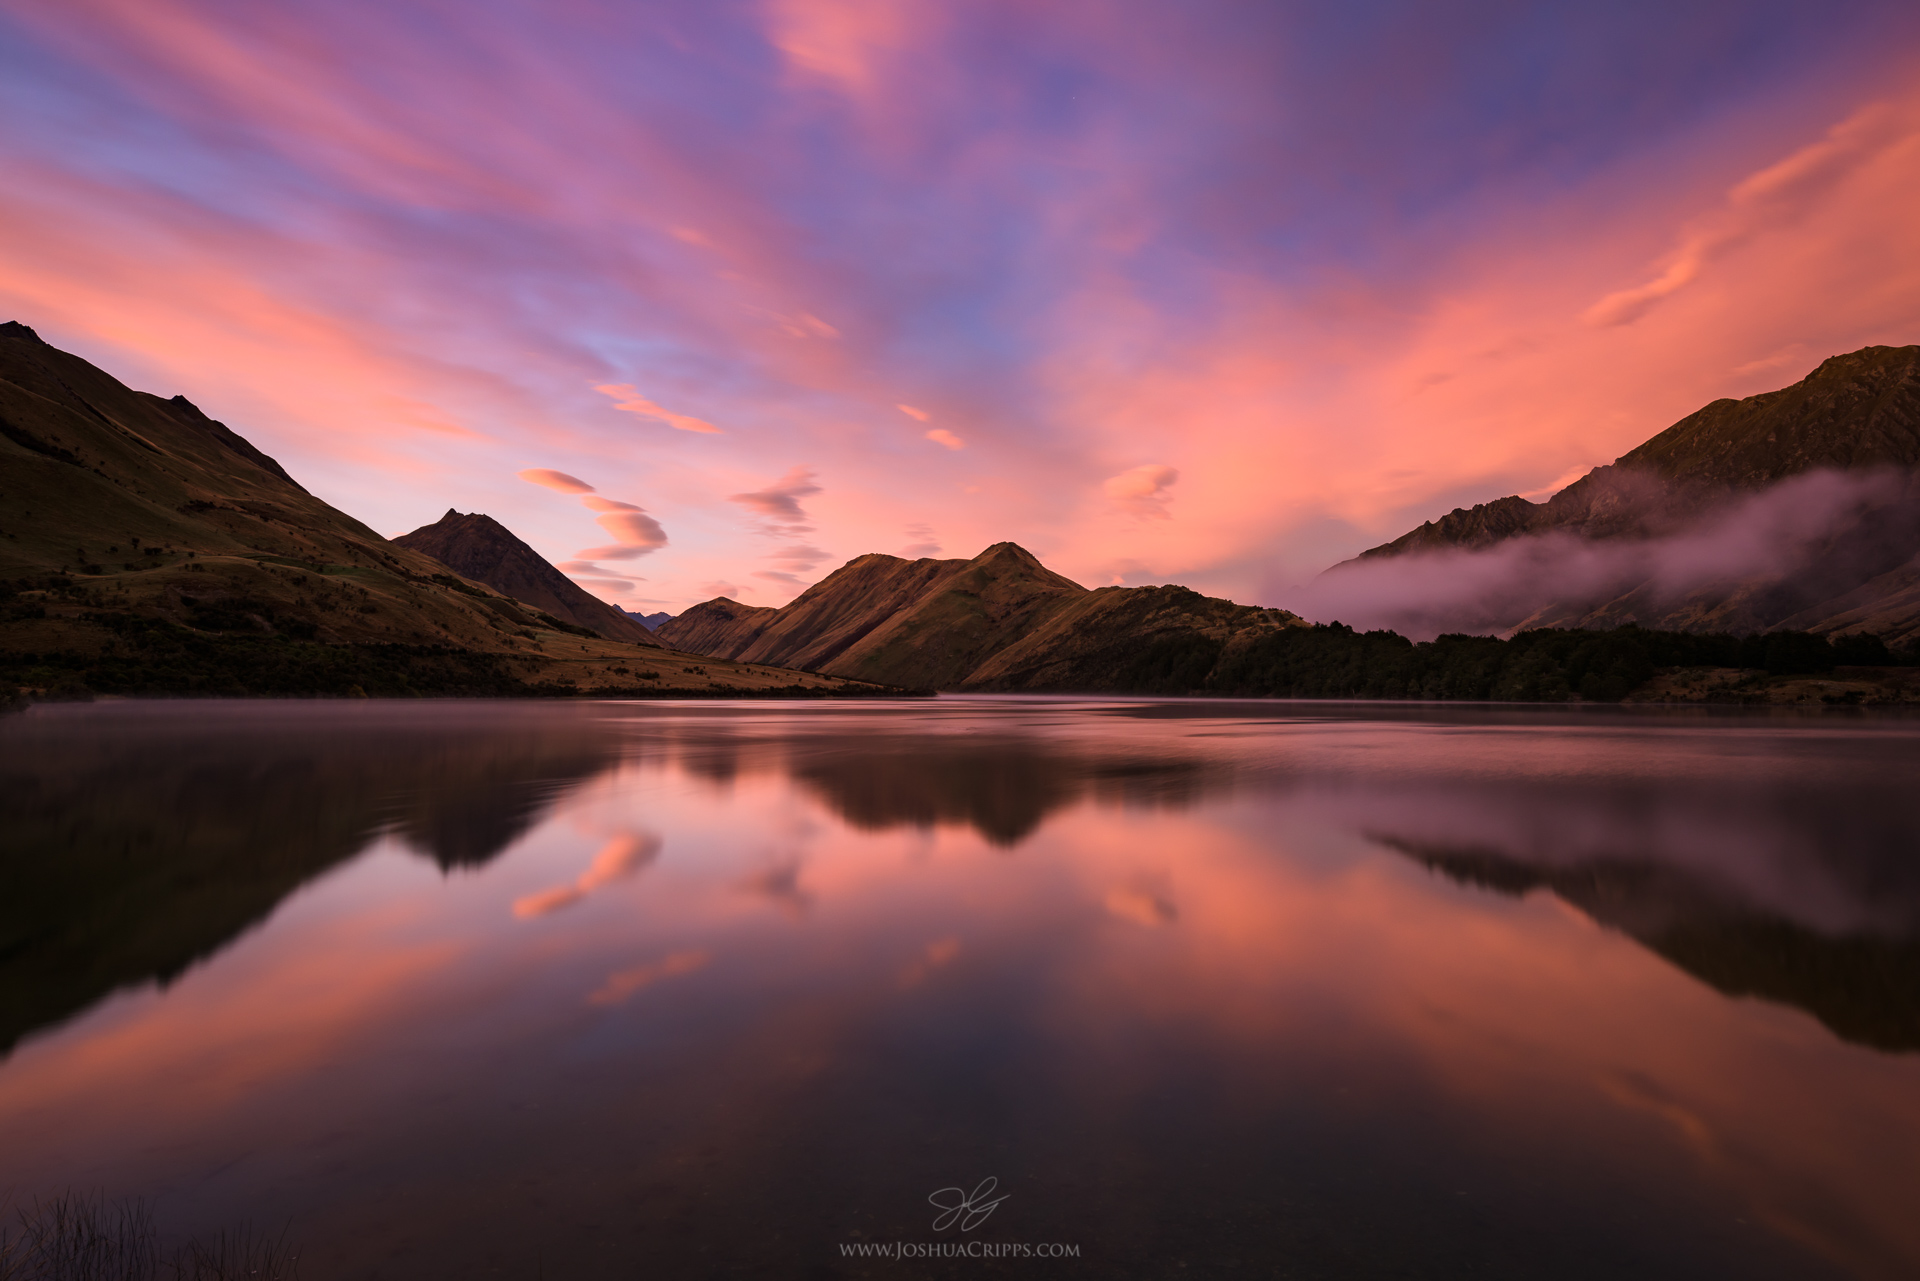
(481, 548)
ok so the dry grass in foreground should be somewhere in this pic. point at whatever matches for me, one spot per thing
(84, 1237)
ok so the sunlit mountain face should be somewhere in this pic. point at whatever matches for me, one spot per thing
(705, 299)
(1583, 992)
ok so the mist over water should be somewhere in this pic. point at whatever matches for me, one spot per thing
(1750, 563)
(617, 989)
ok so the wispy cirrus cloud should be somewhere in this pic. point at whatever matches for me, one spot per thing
(1772, 197)
(1499, 249)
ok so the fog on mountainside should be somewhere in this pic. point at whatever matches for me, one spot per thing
(1822, 551)
(1796, 509)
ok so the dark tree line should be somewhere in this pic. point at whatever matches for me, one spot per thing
(1548, 665)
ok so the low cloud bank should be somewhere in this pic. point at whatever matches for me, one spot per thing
(1807, 539)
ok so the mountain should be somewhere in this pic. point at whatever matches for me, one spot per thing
(721, 627)
(649, 621)
(1843, 443)
(1001, 621)
(146, 549)
(485, 551)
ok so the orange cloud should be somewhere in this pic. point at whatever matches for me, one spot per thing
(1774, 197)
(941, 436)
(920, 414)
(558, 480)
(629, 399)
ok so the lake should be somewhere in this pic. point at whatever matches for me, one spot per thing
(751, 989)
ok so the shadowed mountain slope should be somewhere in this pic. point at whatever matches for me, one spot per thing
(1708, 478)
(484, 550)
(147, 549)
(721, 627)
(1001, 621)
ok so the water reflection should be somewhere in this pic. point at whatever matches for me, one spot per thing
(1865, 987)
(715, 989)
(140, 839)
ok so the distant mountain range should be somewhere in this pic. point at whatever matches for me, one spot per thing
(1796, 509)
(1001, 621)
(146, 548)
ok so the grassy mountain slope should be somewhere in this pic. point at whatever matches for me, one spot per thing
(721, 627)
(482, 549)
(1001, 621)
(936, 641)
(145, 548)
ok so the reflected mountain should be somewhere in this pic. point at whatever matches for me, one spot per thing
(142, 839)
(1864, 987)
(1003, 789)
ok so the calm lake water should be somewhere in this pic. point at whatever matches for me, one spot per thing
(664, 990)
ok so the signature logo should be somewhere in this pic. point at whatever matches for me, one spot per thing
(968, 1209)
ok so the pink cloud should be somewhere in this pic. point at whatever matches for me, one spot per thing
(1142, 490)
(621, 857)
(624, 983)
(633, 528)
(922, 542)
(779, 502)
(614, 551)
(941, 436)
(1314, 411)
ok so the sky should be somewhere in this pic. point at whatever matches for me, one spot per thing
(707, 298)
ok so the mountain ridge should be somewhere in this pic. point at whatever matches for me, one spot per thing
(1001, 621)
(146, 548)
